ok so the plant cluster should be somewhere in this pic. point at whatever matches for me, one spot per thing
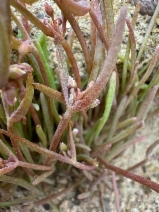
(54, 118)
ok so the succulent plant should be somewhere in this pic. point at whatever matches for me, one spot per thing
(52, 118)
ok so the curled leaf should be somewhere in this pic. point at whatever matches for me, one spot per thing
(8, 167)
(25, 103)
(9, 95)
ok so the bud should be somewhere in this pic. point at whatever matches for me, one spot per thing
(94, 162)
(95, 103)
(63, 147)
(49, 10)
(75, 132)
(24, 48)
(46, 21)
(16, 71)
(36, 106)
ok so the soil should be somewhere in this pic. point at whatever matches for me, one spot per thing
(133, 196)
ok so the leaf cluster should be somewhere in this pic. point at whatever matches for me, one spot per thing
(53, 118)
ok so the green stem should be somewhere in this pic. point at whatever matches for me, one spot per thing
(48, 122)
(45, 64)
(108, 105)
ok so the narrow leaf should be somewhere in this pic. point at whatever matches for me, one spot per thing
(121, 146)
(7, 151)
(72, 143)
(145, 106)
(29, 1)
(42, 177)
(47, 118)
(45, 63)
(46, 152)
(108, 104)
(62, 72)
(2, 114)
(8, 168)
(125, 133)
(20, 182)
(108, 66)
(116, 117)
(41, 135)
(153, 63)
(77, 8)
(109, 15)
(97, 56)
(25, 103)
(126, 122)
(58, 96)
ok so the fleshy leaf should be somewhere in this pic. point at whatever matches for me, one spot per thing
(25, 103)
(20, 182)
(9, 95)
(77, 8)
(49, 92)
(47, 152)
(108, 105)
(108, 65)
(29, 1)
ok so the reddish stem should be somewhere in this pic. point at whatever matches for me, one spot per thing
(116, 193)
(34, 115)
(144, 181)
(25, 20)
(59, 131)
(100, 29)
(82, 41)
